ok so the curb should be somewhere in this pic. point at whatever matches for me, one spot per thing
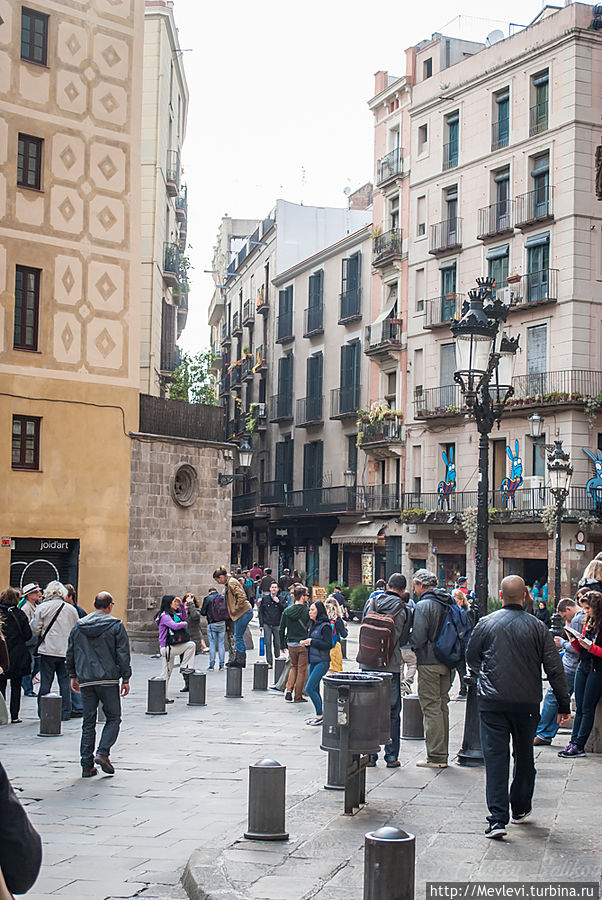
(203, 879)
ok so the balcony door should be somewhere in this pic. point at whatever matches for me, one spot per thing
(350, 376)
(538, 262)
(448, 388)
(448, 293)
(537, 359)
(314, 387)
(283, 473)
(313, 462)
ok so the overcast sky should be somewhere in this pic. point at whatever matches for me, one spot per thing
(278, 104)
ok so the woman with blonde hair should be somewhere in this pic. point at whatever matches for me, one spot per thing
(335, 614)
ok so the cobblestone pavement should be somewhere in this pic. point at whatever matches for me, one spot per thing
(180, 792)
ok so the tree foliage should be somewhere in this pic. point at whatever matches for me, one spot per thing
(193, 379)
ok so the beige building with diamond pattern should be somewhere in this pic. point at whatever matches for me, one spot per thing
(70, 119)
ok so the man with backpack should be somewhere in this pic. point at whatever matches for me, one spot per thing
(439, 632)
(386, 623)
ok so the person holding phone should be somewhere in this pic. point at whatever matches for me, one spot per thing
(588, 677)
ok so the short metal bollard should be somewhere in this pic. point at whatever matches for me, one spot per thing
(260, 676)
(197, 689)
(412, 725)
(344, 647)
(155, 705)
(267, 802)
(279, 664)
(50, 715)
(234, 682)
(389, 864)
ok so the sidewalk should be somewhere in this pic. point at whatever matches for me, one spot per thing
(180, 792)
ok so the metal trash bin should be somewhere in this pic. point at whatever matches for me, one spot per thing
(352, 712)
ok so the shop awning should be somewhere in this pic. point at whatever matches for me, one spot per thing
(356, 532)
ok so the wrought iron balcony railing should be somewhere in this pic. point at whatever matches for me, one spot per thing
(244, 503)
(384, 335)
(535, 206)
(389, 166)
(495, 219)
(171, 263)
(248, 312)
(442, 311)
(438, 402)
(172, 172)
(344, 401)
(450, 155)
(557, 388)
(538, 118)
(310, 411)
(382, 498)
(445, 236)
(281, 408)
(351, 305)
(500, 134)
(272, 493)
(386, 246)
(236, 325)
(284, 328)
(534, 287)
(314, 321)
(322, 501)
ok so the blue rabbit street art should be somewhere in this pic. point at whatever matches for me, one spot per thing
(594, 485)
(509, 486)
(449, 485)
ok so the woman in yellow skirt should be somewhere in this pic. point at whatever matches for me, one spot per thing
(334, 612)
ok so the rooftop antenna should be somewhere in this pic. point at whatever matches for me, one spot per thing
(303, 183)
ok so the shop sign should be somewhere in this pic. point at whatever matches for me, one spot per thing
(240, 534)
(282, 532)
(318, 593)
(367, 569)
(6, 542)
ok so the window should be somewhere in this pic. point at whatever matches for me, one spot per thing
(34, 36)
(352, 452)
(446, 375)
(452, 135)
(538, 267)
(391, 389)
(314, 379)
(537, 358)
(27, 305)
(497, 261)
(540, 206)
(450, 198)
(283, 472)
(285, 314)
(538, 462)
(284, 399)
(394, 212)
(448, 293)
(29, 162)
(351, 287)
(313, 458)
(315, 307)
(501, 124)
(350, 376)
(501, 180)
(423, 138)
(427, 68)
(538, 114)
(421, 216)
(420, 289)
(26, 442)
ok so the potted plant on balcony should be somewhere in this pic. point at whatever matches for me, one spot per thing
(514, 278)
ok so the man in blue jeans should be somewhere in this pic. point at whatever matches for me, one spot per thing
(390, 603)
(98, 657)
(548, 722)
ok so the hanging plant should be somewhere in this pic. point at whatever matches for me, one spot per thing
(591, 406)
(548, 518)
(468, 523)
(586, 523)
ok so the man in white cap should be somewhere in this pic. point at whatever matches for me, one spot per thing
(31, 595)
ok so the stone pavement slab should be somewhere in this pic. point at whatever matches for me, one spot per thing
(180, 794)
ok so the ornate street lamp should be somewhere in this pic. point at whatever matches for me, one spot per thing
(245, 456)
(485, 358)
(535, 425)
(560, 474)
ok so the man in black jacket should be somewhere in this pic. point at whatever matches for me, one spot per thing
(507, 650)
(98, 657)
(434, 677)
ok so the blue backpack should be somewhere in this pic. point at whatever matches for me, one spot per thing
(453, 636)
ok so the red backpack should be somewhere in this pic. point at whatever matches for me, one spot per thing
(377, 639)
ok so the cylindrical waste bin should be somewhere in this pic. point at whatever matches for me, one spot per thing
(197, 694)
(384, 694)
(279, 664)
(260, 675)
(157, 688)
(412, 726)
(50, 715)
(352, 713)
(389, 864)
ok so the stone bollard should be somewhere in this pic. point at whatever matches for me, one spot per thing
(156, 697)
(197, 692)
(51, 706)
(412, 725)
(344, 647)
(267, 802)
(234, 682)
(260, 676)
(389, 864)
(279, 664)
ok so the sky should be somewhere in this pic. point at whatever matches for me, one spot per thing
(279, 104)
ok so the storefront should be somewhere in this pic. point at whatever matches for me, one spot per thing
(43, 560)
(523, 554)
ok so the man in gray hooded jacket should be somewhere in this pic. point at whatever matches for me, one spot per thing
(98, 657)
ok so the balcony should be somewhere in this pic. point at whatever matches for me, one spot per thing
(495, 220)
(225, 336)
(313, 321)
(538, 118)
(384, 439)
(244, 504)
(172, 173)
(445, 236)
(182, 205)
(284, 328)
(555, 389)
(344, 402)
(383, 338)
(248, 366)
(535, 207)
(321, 501)
(262, 305)
(527, 504)
(281, 408)
(248, 313)
(500, 134)
(272, 493)
(534, 287)
(450, 155)
(439, 402)
(389, 166)
(440, 312)
(236, 325)
(256, 417)
(386, 247)
(171, 265)
(224, 387)
(261, 363)
(382, 498)
(310, 412)
(236, 375)
(351, 306)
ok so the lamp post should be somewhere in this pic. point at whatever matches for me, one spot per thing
(560, 473)
(485, 358)
(245, 456)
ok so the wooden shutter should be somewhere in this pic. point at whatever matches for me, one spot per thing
(313, 455)
(315, 289)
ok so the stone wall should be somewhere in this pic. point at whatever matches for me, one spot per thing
(173, 548)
